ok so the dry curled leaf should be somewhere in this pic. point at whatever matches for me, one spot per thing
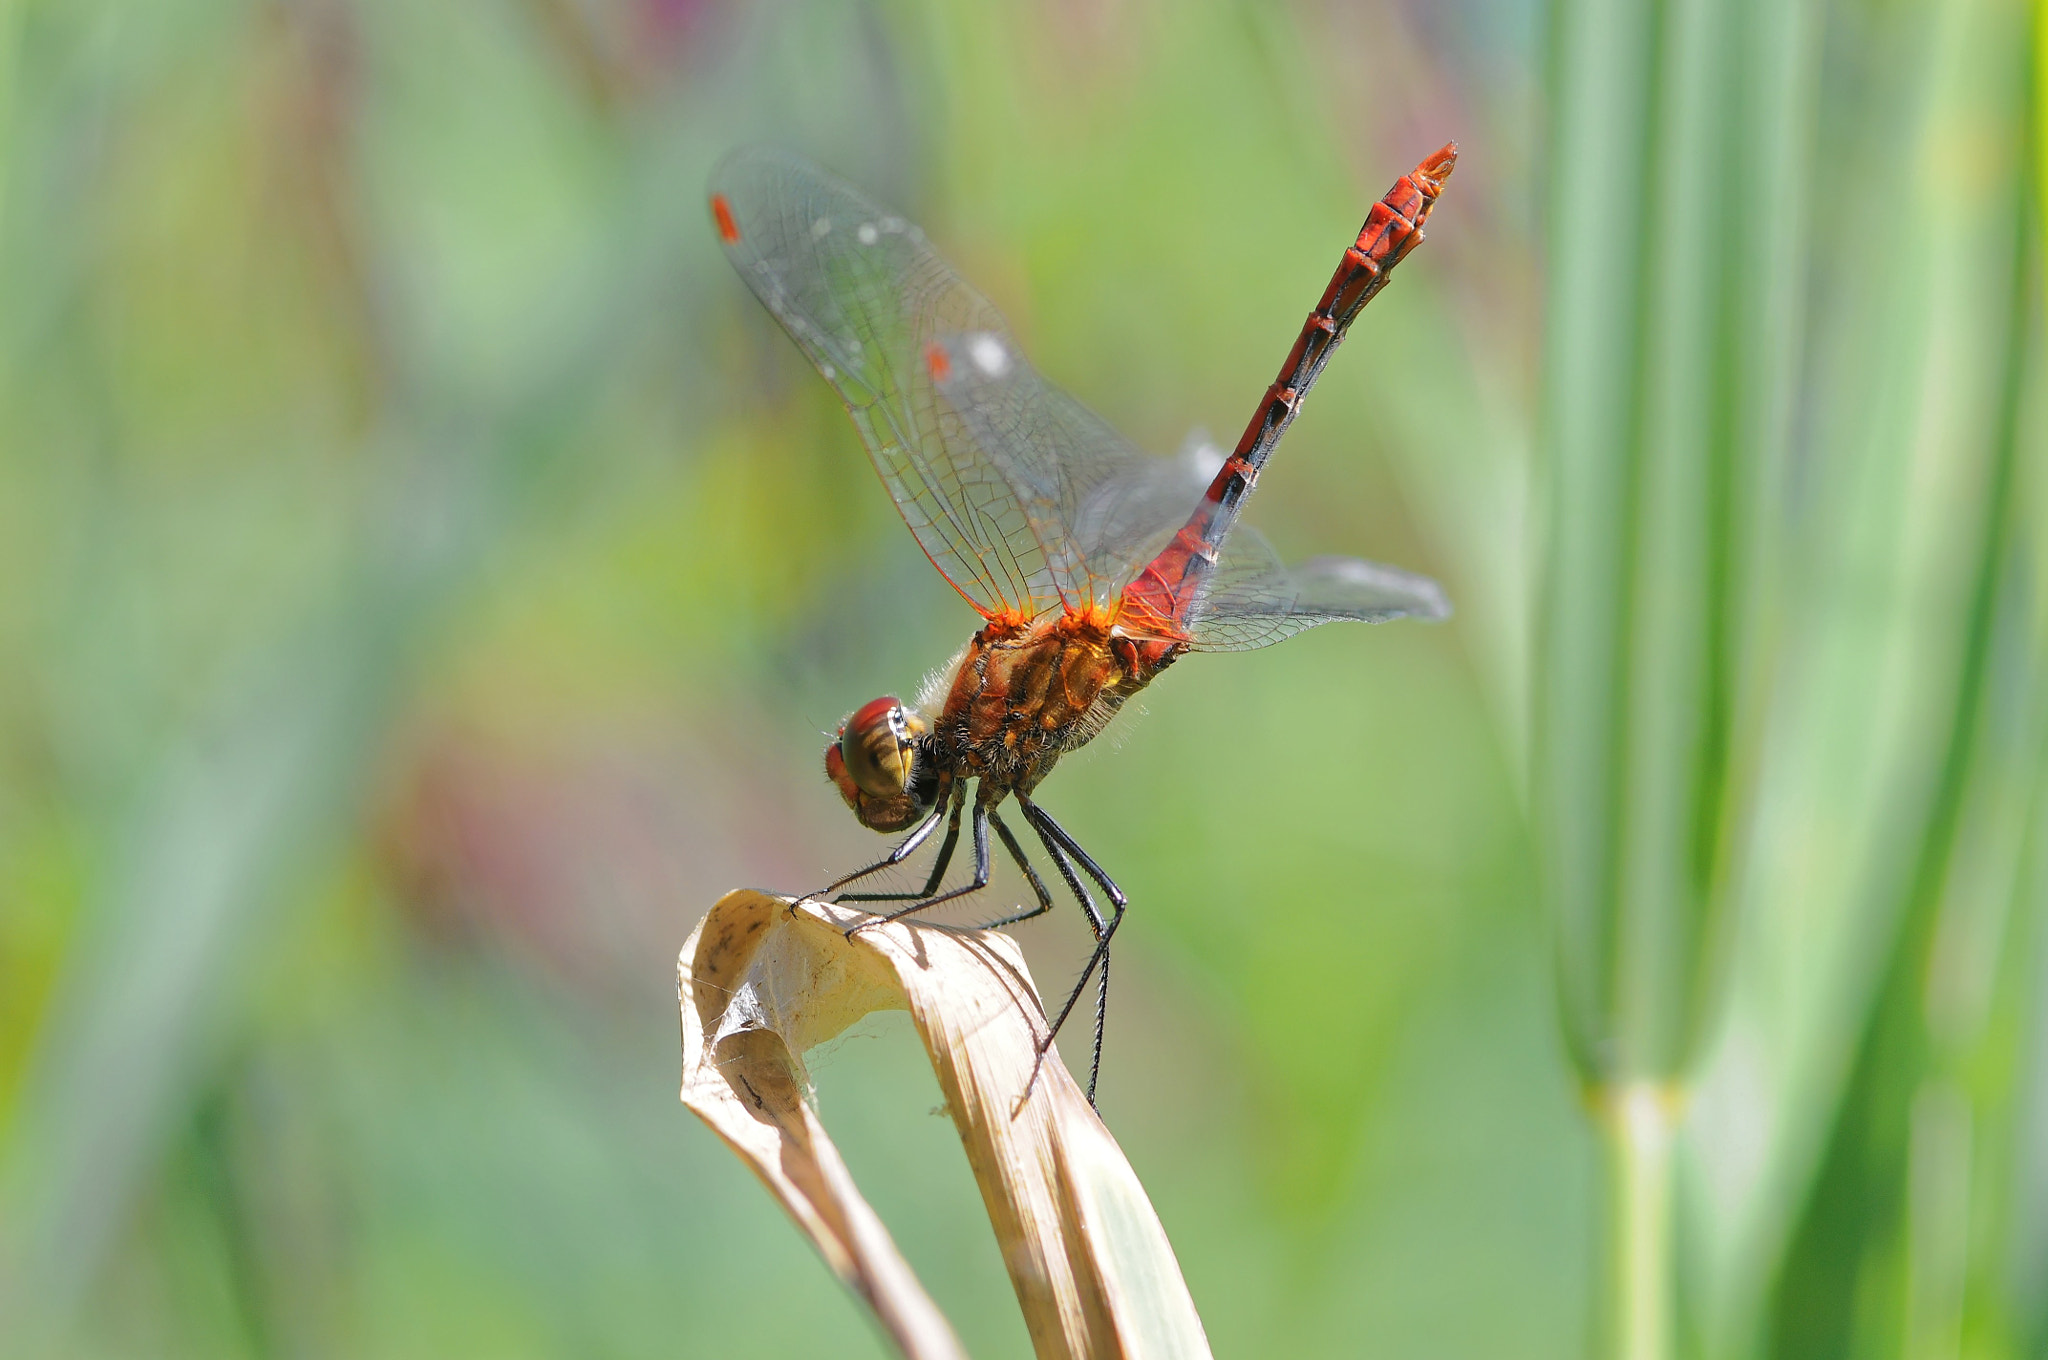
(761, 980)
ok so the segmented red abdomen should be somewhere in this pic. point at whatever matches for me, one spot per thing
(1162, 597)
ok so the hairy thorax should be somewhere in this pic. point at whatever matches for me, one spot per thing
(1024, 693)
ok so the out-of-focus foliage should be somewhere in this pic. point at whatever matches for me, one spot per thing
(1792, 670)
(425, 577)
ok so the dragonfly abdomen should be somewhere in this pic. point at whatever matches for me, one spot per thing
(1168, 591)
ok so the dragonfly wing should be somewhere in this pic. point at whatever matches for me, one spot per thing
(1102, 509)
(865, 297)
(1099, 507)
(1254, 601)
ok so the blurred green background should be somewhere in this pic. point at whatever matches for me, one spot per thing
(426, 578)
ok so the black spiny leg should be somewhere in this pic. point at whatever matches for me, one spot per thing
(931, 885)
(981, 873)
(1066, 868)
(1060, 845)
(1037, 883)
(919, 834)
(1042, 819)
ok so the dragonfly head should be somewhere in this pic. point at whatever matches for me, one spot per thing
(878, 767)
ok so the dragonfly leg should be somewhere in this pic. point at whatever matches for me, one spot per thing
(1104, 930)
(1066, 868)
(1047, 827)
(1037, 883)
(931, 884)
(981, 875)
(919, 834)
(1060, 846)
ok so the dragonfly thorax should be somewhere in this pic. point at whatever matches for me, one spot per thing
(1022, 695)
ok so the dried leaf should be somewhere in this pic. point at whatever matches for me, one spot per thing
(762, 980)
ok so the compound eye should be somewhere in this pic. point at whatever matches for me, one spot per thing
(879, 746)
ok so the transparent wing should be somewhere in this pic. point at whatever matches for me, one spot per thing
(865, 297)
(1254, 601)
(1099, 507)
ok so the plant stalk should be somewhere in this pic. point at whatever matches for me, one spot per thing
(1639, 1121)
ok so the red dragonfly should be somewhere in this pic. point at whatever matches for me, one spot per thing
(1094, 566)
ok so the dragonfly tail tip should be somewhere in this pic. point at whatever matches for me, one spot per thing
(1438, 167)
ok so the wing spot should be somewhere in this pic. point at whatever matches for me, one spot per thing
(935, 359)
(821, 228)
(893, 226)
(728, 230)
(989, 355)
(829, 372)
(867, 233)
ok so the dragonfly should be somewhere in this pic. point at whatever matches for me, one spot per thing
(1092, 564)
